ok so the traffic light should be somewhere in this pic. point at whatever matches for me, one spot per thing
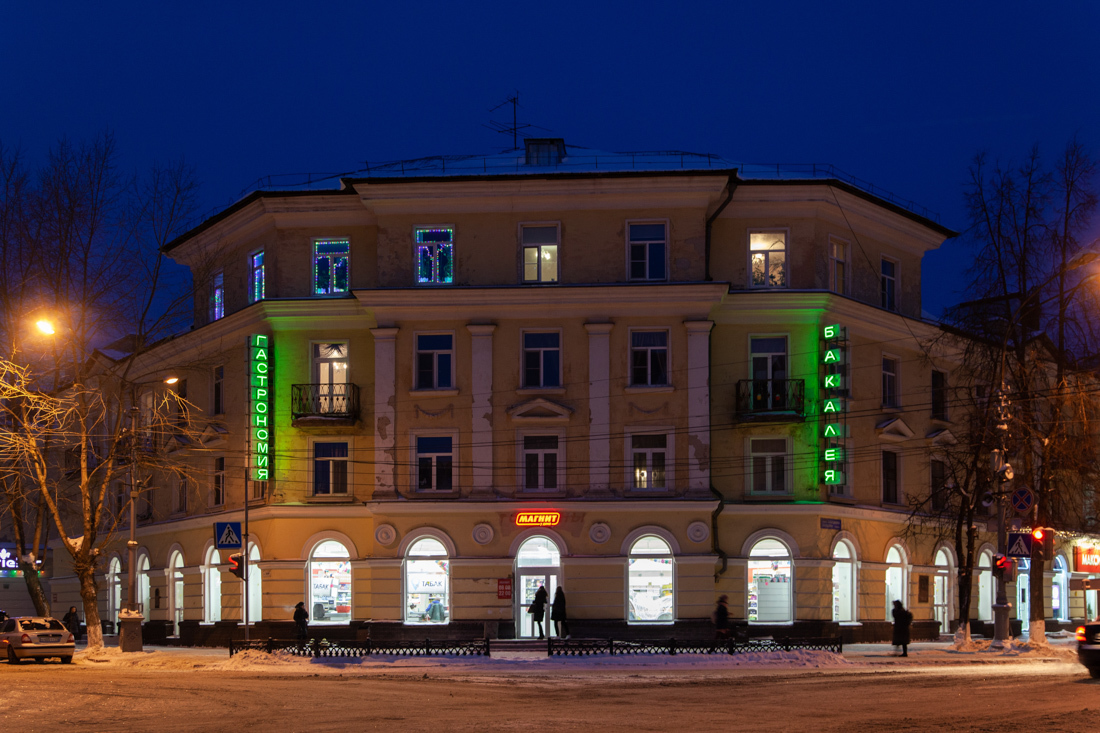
(1044, 538)
(236, 565)
(1004, 567)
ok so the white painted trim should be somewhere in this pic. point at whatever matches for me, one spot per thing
(846, 536)
(774, 534)
(421, 532)
(328, 534)
(649, 529)
(553, 536)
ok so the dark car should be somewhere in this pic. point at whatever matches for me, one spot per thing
(1088, 647)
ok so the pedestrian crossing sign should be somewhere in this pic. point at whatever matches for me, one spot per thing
(227, 535)
(1019, 544)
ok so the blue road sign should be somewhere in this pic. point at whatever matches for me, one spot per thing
(1022, 499)
(1019, 544)
(227, 535)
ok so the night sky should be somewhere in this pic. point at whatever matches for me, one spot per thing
(899, 94)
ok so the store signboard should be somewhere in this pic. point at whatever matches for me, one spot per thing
(504, 589)
(259, 376)
(9, 561)
(1086, 559)
(540, 518)
(834, 407)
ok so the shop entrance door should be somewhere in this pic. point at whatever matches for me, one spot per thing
(530, 580)
(940, 602)
(538, 564)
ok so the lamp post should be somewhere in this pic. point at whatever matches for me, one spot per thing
(131, 618)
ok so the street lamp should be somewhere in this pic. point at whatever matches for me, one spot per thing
(45, 327)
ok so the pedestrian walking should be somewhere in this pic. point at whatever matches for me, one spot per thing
(721, 618)
(558, 615)
(72, 622)
(538, 608)
(902, 620)
(301, 620)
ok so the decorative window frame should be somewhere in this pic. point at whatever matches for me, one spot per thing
(332, 292)
(786, 257)
(217, 296)
(434, 246)
(253, 296)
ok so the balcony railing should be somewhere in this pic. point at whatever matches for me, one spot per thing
(339, 401)
(771, 398)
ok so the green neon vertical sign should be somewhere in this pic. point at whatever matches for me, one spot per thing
(259, 386)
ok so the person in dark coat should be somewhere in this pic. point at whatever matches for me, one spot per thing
(902, 620)
(558, 615)
(538, 608)
(301, 620)
(721, 618)
(72, 622)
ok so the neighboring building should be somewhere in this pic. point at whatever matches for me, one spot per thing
(608, 373)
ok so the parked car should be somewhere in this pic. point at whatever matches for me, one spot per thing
(36, 637)
(1088, 648)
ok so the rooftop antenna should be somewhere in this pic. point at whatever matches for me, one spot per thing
(516, 127)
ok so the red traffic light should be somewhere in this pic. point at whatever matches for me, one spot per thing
(1002, 561)
(235, 565)
(1037, 533)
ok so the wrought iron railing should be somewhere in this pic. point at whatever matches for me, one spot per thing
(585, 647)
(765, 396)
(365, 648)
(324, 400)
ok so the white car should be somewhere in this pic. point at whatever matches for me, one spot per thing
(36, 637)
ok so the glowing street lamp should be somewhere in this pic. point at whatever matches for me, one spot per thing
(45, 327)
(171, 380)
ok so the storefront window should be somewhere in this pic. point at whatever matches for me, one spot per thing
(255, 594)
(143, 584)
(537, 565)
(114, 589)
(212, 585)
(1059, 596)
(895, 580)
(427, 583)
(770, 588)
(985, 586)
(175, 587)
(651, 583)
(941, 591)
(844, 583)
(329, 584)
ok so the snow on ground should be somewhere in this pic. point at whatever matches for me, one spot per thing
(1017, 648)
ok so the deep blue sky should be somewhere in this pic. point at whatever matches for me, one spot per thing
(900, 94)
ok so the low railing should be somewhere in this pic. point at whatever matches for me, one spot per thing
(771, 396)
(324, 400)
(365, 648)
(586, 647)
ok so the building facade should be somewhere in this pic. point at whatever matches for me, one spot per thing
(439, 391)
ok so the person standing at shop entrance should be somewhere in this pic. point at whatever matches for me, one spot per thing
(301, 620)
(902, 620)
(721, 618)
(558, 615)
(538, 608)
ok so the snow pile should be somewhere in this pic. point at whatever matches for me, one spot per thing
(1016, 648)
(252, 659)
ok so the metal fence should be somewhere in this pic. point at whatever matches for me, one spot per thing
(365, 648)
(586, 647)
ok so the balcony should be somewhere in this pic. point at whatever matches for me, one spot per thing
(771, 400)
(324, 405)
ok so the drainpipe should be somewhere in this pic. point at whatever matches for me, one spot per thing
(731, 184)
(714, 534)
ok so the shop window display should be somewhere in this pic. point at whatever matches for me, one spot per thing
(985, 586)
(329, 584)
(843, 584)
(770, 592)
(1059, 597)
(651, 581)
(212, 585)
(941, 590)
(427, 583)
(895, 580)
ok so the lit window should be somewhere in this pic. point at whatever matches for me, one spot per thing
(212, 585)
(650, 581)
(649, 453)
(649, 358)
(427, 583)
(434, 357)
(769, 465)
(217, 297)
(647, 251)
(838, 258)
(844, 584)
(330, 266)
(540, 462)
(889, 382)
(890, 493)
(218, 496)
(769, 259)
(435, 256)
(329, 584)
(434, 463)
(330, 468)
(770, 586)
(330, 374)
(542, 359)
(256, 292)
(889, 284)
(219, 390)
(540, 253)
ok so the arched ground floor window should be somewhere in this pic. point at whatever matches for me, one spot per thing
(175, 590)
(427, 583)
(538, 564)
(329, 575)
(212, 587)
(985, 586)
(143, 585)
(255, 586)
(844, 583)
(770, 586)
(897, 588)
(1059, 591)
(114, 589)
(941, 591)
(650, 581)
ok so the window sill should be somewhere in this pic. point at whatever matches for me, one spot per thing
(776, 496)
(448, 392)
(434, 494)
(633, 493)
(540, 390)
(540, 494)
(330, 499)
(655, 389)
(842, 498)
